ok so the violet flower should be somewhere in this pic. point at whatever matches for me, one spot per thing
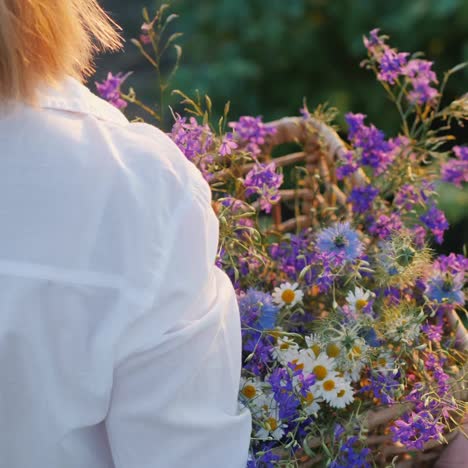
(109, 89)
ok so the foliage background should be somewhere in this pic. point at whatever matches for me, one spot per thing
(266, 56)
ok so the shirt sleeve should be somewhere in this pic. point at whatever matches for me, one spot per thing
(174, 401)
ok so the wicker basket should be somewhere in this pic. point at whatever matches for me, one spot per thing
(319, 200)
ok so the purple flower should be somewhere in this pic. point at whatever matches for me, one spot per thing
(415, 429)
(282, 388)
(251, 305)
(446, 287)
(351, 456)
(347, 165)
(340, 240)
(263, 180)
(376, 152)
(421, 76)
(456, 170)
(253, 132)
(383, 385)
(194, 140)
(436, 221)
(374, 42)
(227, 145)
(433, 332)
(384, 226)
(453, 263)
(109, 89)
(392, 65)
(408, 196)
(362, 198)
(293, 255)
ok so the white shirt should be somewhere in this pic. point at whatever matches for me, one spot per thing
(120, 340)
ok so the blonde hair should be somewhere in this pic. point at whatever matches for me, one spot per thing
(42, 41)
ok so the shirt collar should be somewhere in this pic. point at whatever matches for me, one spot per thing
(73, 96)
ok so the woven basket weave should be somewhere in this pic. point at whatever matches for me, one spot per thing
(320, 200)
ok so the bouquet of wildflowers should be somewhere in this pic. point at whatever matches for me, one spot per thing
(353, 352)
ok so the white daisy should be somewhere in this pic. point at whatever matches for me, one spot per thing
(271, 425)
(344, 396)
(250, 388)
(354, 370)
(358, 350)
(285, 350)
(329, 387)
(287, 295)
(311, 403)
(321, 366)
(385, 362)
(315, 343)
(358, 299)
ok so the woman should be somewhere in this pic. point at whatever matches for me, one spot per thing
(119, 338)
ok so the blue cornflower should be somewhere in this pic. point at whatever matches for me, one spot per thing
(267, 319)
(340, 240)
(446, 287)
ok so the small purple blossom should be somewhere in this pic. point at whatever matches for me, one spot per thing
(384, 226)
(347, 165)
(415, 429)
(263, 180)
(109, 89)
(421, 76)
(409, 195)
(253, 132)
(455, 171)
(374, 42)
(453, 263)
(362, 198)
(228, 144)
(351, 456)
(340, 240)
(375, 151)
(436, 221)
(392, 65)
(433, 332)
(193, 139)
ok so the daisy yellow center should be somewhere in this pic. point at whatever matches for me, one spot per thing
(333, 350)
(288, 296)
(297, 366)
(357, 351)
(360, 304)
(272, 423)
(329, 385)
(382, 362)
(249, 391)
(309, 398)
(316, 349)
(341, 393)
(320, 372)
(284, 345)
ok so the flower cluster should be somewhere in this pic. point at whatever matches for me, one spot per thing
(355, 313)
(263, 180)
(393, 65)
